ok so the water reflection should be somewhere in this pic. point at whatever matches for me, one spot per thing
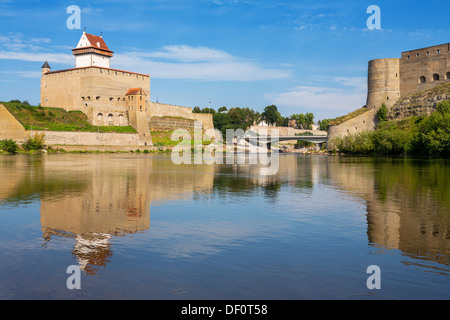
(408, 203)
(94, 198)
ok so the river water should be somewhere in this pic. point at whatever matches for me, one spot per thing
(139, 226)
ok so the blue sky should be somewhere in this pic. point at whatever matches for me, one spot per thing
(303, 56)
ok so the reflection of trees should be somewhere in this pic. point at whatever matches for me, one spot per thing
(408, 202)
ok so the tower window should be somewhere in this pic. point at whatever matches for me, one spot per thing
(435, 77)
(422, 79)
(448, 75)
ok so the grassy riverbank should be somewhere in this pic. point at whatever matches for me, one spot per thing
(57, 119)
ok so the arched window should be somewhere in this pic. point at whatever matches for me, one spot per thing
(422, 79)
(110, 119)
(435, 77)
(448, 75)
(100, 118)
(121, 121)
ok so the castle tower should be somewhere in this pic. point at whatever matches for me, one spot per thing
(137, 113)
(45, 68)
(383, 83)
(92, 51)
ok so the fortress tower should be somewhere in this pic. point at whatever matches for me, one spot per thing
(383, 82)
(417, 70)
(92, 51)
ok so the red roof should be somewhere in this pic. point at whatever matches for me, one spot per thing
(97, 42)
(134, 91)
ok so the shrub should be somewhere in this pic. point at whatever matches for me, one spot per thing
(36, 142)
(9, 146)
(382, 113)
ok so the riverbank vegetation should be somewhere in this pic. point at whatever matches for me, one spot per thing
(423, 135)
(56, 119)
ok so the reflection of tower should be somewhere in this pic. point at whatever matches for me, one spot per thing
(93, 251)
(114, 202)
(104, 196)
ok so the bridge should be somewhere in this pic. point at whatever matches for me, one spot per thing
(269, 140)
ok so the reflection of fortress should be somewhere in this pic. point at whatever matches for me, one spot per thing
(110, 195)
(398, 217)
(103, 198)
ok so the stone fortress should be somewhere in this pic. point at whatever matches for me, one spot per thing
(109, 97)
(392, 79)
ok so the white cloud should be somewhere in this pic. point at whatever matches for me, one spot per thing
(325, 101)
(170, 62)
(41, 57)
(196, 63)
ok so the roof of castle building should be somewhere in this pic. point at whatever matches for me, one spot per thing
(95, 42)
(134, 91)
(46, 65)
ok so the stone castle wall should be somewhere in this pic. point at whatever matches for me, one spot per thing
(362, 122)
(98, 92)
(162, 110)
(60, 138)
(10, 128)
(424, 68)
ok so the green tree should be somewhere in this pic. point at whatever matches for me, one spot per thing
(434, 136)
(323, 124)
(271, 114)
(309, 120)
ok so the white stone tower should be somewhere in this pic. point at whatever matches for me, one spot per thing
(92, 51)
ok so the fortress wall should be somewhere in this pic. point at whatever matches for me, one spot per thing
(167, 110)
(383, 82)
(282, 131)
(424, 62)
(206, 120)
(10, 128)
(101, 88)
(55, 138)
(363, 122)
(169, 124)
(107, 87)
(61, 90)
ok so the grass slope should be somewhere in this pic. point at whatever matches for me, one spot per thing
(57, 119)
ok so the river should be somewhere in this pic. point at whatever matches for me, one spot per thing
(139, 226)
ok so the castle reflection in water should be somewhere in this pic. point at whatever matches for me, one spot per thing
(99, 197)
